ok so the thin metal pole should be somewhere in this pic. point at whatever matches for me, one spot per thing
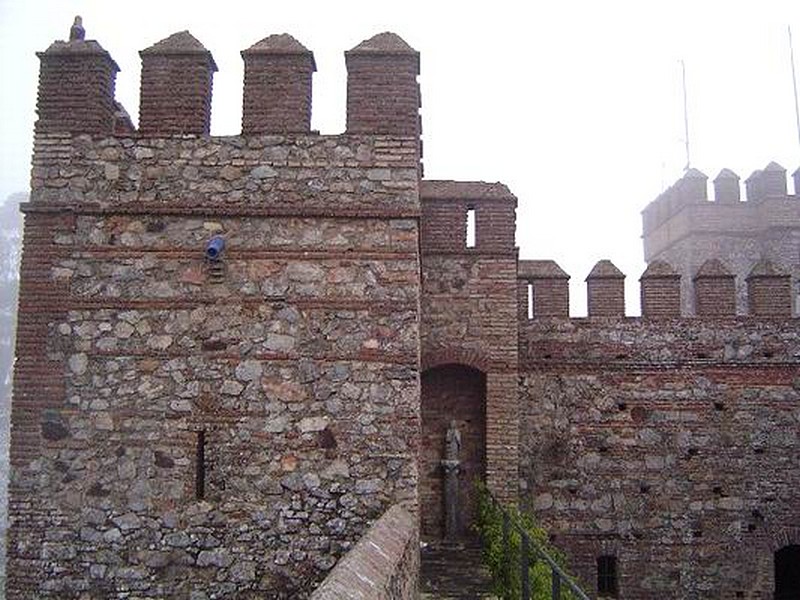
(794, 85)
(556, 585)
(685, 116)
(524, 567)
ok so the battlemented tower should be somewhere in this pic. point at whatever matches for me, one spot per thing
(217, 385)
(686, 228)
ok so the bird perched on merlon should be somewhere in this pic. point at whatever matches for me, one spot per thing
(77, 32)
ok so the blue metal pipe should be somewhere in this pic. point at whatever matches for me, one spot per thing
(214, 247)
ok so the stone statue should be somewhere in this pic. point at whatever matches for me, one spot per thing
(452, 442)
(450, 464)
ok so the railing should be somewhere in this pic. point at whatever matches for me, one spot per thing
(530, 552)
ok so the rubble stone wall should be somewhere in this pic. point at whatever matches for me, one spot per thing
(189, 429)
(671, 444)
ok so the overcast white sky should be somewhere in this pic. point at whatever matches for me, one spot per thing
(576, 106)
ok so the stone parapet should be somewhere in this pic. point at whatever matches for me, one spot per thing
(688, 342)
(383, 565)
(542, 291)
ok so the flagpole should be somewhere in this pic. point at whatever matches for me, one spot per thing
(794, 84)
(685, 115)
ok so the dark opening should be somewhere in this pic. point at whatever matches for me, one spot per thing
(607, 576)
(451, 392)
(787, 573)
(200, 466)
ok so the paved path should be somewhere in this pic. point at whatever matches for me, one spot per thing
(454, 574)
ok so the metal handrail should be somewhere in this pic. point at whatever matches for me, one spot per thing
(557, 573)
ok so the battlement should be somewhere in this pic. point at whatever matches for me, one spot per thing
(685, 208)
(543, 291)
(451, 208)
(77, 80)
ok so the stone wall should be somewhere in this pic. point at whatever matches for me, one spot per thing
(224, 430)
(670, 444)
(384, 565)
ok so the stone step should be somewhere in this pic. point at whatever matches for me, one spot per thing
(454, 573)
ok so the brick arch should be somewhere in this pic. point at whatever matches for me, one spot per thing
(455, 356)
(451, 392)
(786, 536)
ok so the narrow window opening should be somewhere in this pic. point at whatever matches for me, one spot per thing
(530, 301)
(470, 228)
(607, 576)
(200, 466)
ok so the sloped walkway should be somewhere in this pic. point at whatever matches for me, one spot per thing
(454, 573)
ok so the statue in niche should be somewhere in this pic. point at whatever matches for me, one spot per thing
(450, 465)
(452, 442)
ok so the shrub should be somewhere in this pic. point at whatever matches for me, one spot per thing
(504, 562)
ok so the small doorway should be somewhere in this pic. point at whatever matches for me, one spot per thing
(787, 573)
(451, 393)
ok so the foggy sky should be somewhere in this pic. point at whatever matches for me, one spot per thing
(576, 106)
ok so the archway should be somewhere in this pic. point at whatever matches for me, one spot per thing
(451, 392)
(787, 573)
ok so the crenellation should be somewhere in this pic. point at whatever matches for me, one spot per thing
(543, 290)
(660, 291)
(764, 226)
(175, 96)
(772, 181)
(726, 187)
(605, 290)
(769, 291)
(277, 86)
(76, 88)
(236, 354)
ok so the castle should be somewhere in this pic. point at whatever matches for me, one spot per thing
(236, 353)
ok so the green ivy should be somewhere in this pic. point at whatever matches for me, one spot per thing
(504, 563)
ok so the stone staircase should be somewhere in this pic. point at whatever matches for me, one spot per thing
(454, 573)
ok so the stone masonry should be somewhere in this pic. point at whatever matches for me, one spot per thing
(185, 428)
(192, 425)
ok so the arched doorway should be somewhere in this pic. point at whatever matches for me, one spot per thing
(787, 573)
(451, 392)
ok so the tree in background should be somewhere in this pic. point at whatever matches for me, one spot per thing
(10, 247)
(10, 238)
